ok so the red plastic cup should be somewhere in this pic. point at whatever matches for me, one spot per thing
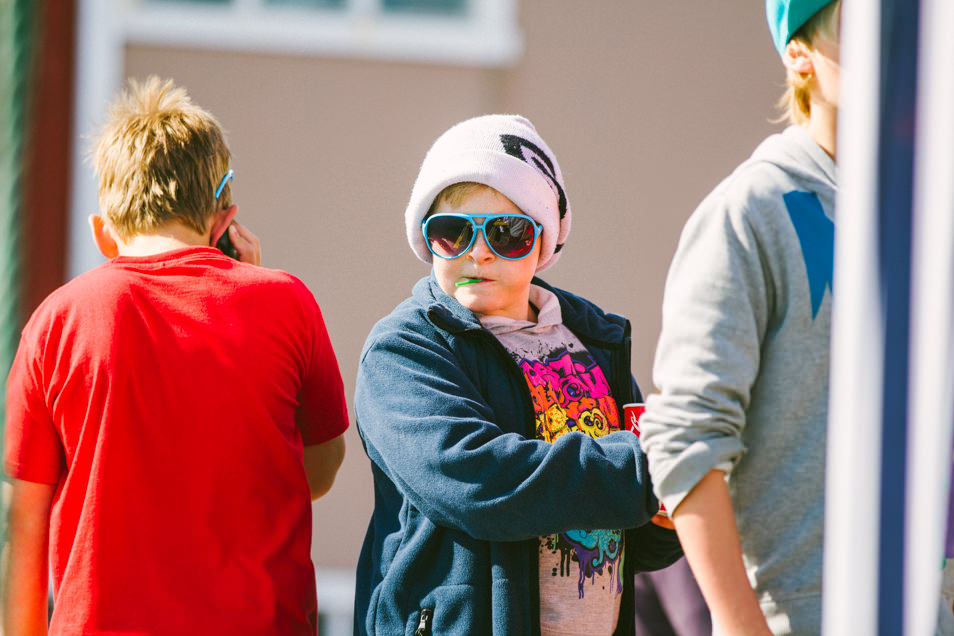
(631, 414)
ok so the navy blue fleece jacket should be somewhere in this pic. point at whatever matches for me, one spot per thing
(463, 489)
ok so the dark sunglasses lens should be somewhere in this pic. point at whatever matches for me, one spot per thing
(449, 236)
(510, 236)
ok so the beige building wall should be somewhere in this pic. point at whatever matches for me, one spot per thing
(646, 104)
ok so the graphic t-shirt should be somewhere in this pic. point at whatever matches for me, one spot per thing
(580, 569)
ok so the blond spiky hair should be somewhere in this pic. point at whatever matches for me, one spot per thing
(159, 159)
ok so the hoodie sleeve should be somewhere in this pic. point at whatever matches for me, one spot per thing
(427, 427)
(715, 311)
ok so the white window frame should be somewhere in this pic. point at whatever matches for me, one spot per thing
(487, 35)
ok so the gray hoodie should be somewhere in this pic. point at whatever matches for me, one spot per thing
(742, 366)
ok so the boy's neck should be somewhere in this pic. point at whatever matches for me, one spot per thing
(171, 236)
(822, 125)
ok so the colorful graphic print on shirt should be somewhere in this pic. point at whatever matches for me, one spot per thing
(593, 550)
(570, 393)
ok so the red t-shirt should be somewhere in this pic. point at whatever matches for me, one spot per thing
(169, 397)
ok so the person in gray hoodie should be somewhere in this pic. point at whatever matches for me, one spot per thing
(736, 434)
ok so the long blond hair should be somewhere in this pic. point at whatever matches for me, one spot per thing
(795, 102)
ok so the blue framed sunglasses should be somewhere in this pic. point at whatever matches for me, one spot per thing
(510, 236)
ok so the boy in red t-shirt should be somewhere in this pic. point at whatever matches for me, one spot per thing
(171, 413)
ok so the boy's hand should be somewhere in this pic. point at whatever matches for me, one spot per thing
(246, 244)
(663, 521)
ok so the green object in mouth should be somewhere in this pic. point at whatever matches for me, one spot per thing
(468, 282)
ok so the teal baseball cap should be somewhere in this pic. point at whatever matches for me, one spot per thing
(785, 17)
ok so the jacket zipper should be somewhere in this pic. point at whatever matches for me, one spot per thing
(424, 624)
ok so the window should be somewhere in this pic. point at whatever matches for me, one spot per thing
(469, 32)
(425, 6)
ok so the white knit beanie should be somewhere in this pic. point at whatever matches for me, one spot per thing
(506, 153)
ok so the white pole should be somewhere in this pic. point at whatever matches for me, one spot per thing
(853, 474)
(98, 74)
(931, 412)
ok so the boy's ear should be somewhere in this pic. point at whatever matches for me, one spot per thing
(103, 237)
(221, 222)
(797, 57)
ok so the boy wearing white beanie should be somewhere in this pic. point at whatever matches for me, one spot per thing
(490, 404)
(736, 435)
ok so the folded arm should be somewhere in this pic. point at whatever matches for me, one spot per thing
(427, 426)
